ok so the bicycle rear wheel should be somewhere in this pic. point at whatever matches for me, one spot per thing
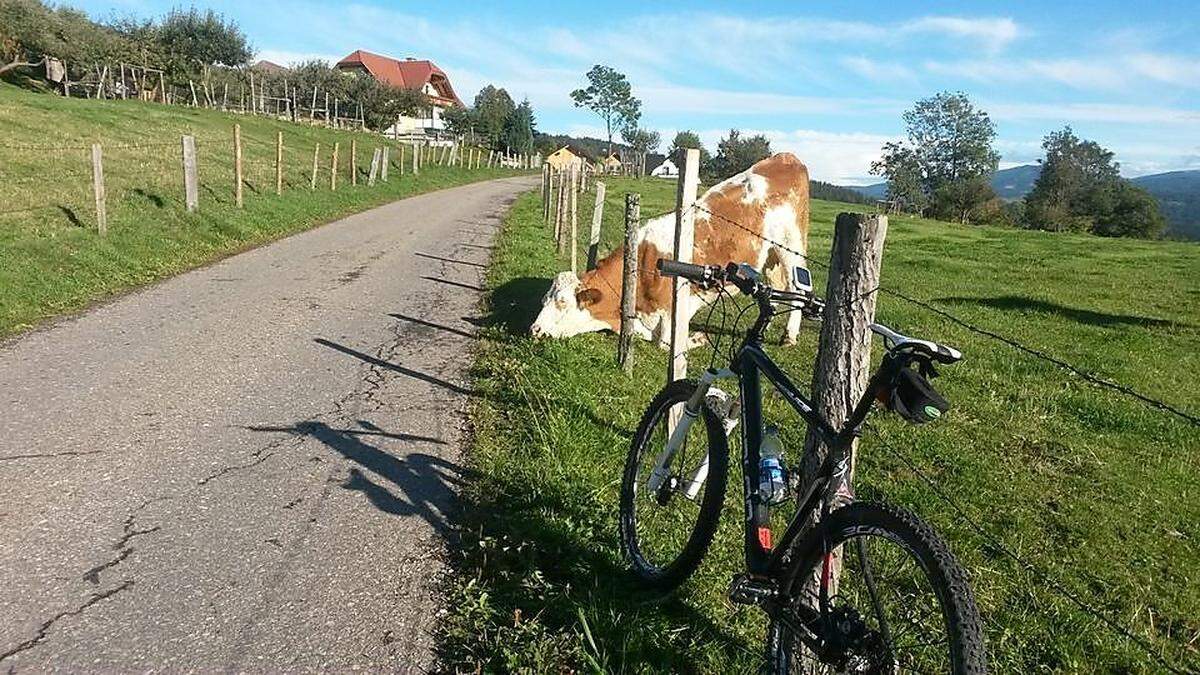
(665, 533)
(902, 603)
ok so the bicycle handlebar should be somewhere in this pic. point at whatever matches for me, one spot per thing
(747, 280)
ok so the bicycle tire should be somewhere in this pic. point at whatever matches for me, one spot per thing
(968, 655)
(664, 579)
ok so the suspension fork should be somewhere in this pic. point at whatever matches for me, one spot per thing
(691, 412)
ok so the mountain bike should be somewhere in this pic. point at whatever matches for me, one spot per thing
(855, 587)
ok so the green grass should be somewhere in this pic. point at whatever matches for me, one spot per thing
(53, 261)
(1097, 491)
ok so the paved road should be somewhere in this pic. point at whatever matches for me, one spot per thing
(249, 466)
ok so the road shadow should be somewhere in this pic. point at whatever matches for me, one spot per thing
(415, 374)
(430, 324)
(459, 284)
(416, 484)
(452, 261)
(1014, 303)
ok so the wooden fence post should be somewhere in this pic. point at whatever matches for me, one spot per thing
(98, 189)
(374, 167)
(278, 162)
(416, 158)
(844, 352)
(594, 237)
(560, 209)
(316, 155)
(633, 206)
(237, 165)
(333, 168)
(401, 148)
(191, 186)
(545, 192)
(354, 161)
(575, 220)
(385, 157)
(685, 218)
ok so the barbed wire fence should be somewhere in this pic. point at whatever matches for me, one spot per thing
(88, 184)
(1105, 618)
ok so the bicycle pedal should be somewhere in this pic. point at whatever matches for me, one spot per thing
(747, 590)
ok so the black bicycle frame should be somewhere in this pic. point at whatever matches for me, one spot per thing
(751, 363)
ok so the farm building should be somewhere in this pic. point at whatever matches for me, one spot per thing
(612, 164)
(564, 158)
(408, 73)
(666, 169)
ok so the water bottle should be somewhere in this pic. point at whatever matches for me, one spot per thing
(772, 483)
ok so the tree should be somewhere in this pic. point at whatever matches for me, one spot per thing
(459, 120)
(493, 107)
(906, 184)
(641, 142)
(959, 199)
(683, 141)
(1080, 189)
(518, 128)
(736, 154)
(948, 152)
(194, 39)
(30, 31)
(1134, 213)
(610, 96)
(1077, 184)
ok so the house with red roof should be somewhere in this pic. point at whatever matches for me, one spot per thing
(409, 73)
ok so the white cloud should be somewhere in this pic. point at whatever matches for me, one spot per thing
(839, 158)
(1166, 68)
(1066, 113)
(879, 71)
(993, 34)
(1121, 72)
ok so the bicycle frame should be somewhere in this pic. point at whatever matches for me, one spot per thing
(764, 557)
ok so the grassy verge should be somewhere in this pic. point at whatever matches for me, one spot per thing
(51, 258)
(1097, 491)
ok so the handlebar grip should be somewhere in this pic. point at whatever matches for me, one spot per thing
(672, 268)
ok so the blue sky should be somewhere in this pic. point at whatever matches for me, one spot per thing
(825, 81)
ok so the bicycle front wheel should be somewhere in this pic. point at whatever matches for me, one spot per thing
(901, 602)
(666, 531)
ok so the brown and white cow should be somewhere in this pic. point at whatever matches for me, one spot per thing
(769, 199)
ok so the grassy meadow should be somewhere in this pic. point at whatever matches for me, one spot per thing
(1098, 492)
(53, 261)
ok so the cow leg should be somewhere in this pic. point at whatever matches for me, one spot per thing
(787, 261)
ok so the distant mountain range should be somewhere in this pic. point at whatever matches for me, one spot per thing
(1177, 192)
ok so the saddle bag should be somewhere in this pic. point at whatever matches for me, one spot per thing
(914, 398)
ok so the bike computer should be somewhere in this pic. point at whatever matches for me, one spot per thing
(802, 279)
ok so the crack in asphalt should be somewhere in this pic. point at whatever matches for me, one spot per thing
(122, 545)
(67, 453)
(260, 455)
(44, 629)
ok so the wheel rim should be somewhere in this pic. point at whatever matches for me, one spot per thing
(886, 616)
(663, 520)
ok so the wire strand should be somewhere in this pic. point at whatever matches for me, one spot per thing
(1053, 584)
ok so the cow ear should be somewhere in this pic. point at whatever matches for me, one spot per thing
(587, 296)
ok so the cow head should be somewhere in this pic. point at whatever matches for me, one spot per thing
(566, 309)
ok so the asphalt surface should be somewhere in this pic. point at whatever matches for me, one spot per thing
(251, 466)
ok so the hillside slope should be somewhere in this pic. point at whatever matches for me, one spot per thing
(1177, 192)
(51, 258)
(1094, 490)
